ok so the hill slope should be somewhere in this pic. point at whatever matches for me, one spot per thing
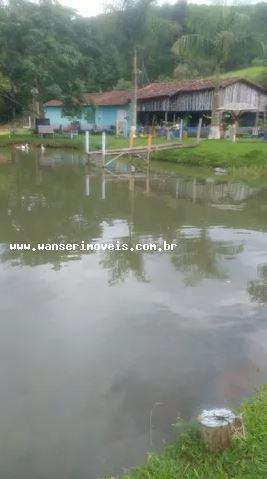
(258, 74)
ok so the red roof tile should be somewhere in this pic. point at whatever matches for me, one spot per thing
(154, 90)
(53, 103)
(108, 98)
(161, 89)
(115, 97)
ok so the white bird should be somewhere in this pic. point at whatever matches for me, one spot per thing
(42, 148)
(220, 171)
(23, 147)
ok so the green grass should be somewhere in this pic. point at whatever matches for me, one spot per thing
(188, 458)
(77, 143)
(219, 153)
(254, 73)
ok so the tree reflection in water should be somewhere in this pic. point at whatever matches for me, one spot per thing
(199, 257)
(258, 288)
(53, 199)
(121, 264)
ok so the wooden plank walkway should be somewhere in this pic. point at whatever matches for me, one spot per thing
(141, 149)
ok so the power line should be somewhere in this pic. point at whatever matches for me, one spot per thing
(11, 99)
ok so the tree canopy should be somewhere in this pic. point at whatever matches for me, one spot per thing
(51, 48)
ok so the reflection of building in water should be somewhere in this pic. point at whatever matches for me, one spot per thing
(60, 159)
(205, 190)
(258, 288)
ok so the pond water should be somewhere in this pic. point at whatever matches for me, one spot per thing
(102, 352)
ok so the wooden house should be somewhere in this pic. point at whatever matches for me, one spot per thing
(170, 100)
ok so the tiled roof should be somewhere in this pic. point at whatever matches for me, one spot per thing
(53, 103)
(162, 89)
(115, 97)
(155, 90)
(168, 89)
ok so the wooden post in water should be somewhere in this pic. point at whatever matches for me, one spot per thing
(234, 131)
(131, 140)
(103, 186)
(149, 146)
(87, 185)
(218, 427)
(103, 148)
(199, 130)
(147, 181)
(87, 143)
(181, 129)
(194, 190)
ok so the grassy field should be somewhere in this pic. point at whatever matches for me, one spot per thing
(219, 153)
(187, 458)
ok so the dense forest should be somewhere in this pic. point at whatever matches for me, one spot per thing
(50, 48)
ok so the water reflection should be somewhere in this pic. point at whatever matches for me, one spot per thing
(90, 342)
(119, 265)
(199, 257)
(258, 288)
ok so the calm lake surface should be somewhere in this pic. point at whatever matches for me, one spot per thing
(101, 352)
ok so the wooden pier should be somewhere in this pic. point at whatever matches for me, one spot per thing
(138, 151)
(141, 149)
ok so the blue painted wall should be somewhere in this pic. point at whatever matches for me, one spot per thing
(107, 115)
(54, 113)
(104, 116)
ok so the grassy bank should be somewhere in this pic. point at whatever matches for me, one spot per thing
(36, 141)
(188, 458)
(219, 153)
(76, 143)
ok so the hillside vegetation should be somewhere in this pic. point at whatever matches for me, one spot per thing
(51, 51)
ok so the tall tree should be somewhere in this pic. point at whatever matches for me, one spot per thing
(132, 17)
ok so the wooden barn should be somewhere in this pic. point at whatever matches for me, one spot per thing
(168, 101)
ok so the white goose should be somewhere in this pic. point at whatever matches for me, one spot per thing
(42, 148)
(23, 147)
(220, 171)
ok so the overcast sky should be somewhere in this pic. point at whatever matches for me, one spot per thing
(90, 8)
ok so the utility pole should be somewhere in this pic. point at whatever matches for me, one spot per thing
(134, 97)
(35, 105)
